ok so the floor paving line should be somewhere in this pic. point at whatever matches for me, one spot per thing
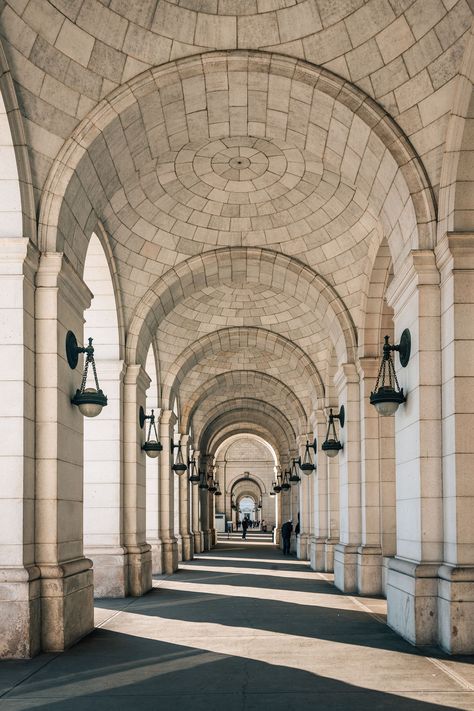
(454, 675)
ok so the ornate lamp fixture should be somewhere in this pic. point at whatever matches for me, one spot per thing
(90, 401)
(152, 447)
(331, 445)
(259, 503)
(218, 491)
(178, 466)
(307, 465)
(285, 484)
(294, 476)
(194, 476)
(277, 484)
(388, 394)
(211, 486)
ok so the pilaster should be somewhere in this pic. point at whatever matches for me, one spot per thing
(168, 539)
(66, 575)
(412, 580)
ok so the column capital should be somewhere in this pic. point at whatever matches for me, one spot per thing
(318, 417)
(368, 366)
(455, 250)
(346, 373)
(136, 375)
(18, 255)
(55, 271)
(418, 269)
(167, 417)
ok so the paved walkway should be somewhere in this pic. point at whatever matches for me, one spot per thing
(240, 628)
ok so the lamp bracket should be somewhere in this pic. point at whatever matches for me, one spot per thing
(404, 348)
(341, 416)
(142, 418)
(73, 350)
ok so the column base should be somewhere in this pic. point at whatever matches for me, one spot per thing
(369, 570)
(456, 609)
(198, 544)
(67, 604)
(188, 547)
(207, 540)
(277, 537)
(302, 546)
(213, 537)
(329, 546)
(179, 543)
(345, 567)
(110, 570)
(139, 569)
(20, 613)
(412, 609)
(385, 566)
(170, 556)
(156, 556)
(317, 554)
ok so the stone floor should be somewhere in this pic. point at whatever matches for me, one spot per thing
(241, 627)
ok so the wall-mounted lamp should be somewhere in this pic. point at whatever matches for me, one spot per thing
(194, 476)
(277, 484)
(90, 401)
(307, 465)
(331, 445)
(152, 447)
(218, 491)
(211, 485)
(294, 476)
(388, 394)
(178, 466)
(285, 484)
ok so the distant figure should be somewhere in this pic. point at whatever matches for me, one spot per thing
(245, 525)
(264, 526)
(286, 530)
(238, 524)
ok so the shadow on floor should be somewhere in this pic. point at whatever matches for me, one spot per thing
(110, 670)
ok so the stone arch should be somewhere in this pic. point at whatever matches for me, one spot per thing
(17, 187)
(256, 265)
(243, 414)
(234, 337)
(408, 221)
(376, 311)
(237, 429)
(457, 177)
(234, 381)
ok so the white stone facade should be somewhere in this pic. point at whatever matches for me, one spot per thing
(237, 200)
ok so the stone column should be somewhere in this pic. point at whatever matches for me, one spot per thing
(333, 512)
(369, 554)
(412, 582)
(320, 499)
(303, 506)
(455, 255)
(67, 611)
(184, 508)
(20, 614)
(205, 508)
(345, 552)
(152, 466)
(197, 532)
(103, 487)
(166, 493)
(136, 381)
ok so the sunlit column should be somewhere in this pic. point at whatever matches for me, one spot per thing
(166, 494)
(345, 552)
(184, 507)
(412, 582)
(66, 575)
(19, 576)
(320, 498)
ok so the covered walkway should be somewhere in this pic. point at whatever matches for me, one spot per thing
(240, 627)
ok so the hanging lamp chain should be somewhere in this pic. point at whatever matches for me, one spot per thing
(387, 368)
(89, 360)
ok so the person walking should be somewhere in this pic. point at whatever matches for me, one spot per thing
(286, 530)
(245, 525)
